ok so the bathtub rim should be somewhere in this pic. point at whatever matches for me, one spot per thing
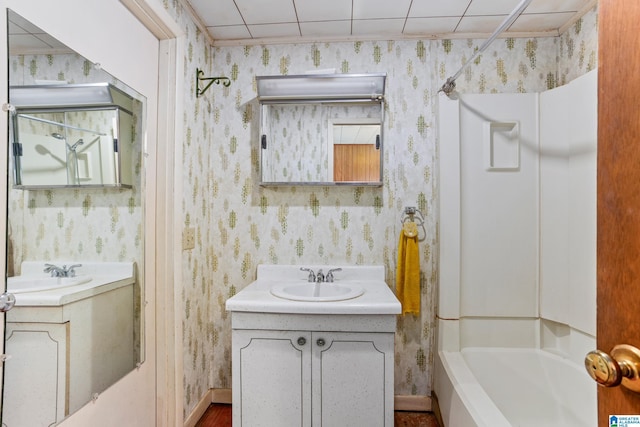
(460, 398)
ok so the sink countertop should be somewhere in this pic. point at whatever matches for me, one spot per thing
(105, 276)
(256, 297)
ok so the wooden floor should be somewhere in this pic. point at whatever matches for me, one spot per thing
(219, 415)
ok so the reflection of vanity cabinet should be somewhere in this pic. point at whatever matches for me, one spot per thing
(313, 378)
(36, 372)
(60, 356)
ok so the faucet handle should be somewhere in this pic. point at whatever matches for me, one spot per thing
(329, 277)
(71, 271)
(53, 269)
(312, 276)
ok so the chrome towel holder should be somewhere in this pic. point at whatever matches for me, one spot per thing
(413, 214)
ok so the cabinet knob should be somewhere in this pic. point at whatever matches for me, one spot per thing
(7, 301)
(320, 342)
(302, 341)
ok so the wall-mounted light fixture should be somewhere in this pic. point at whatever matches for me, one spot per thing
(68, 95)
(226, 82)
(318, 87)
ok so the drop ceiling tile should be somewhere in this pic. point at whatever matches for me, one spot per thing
(267, 11)
(479, 24)
(275, 30)
(379, 9)
(26, 25)
(417, 26)
(368, 27)
(15, 29)
(431, 8)
(492, 7)
(548, 6)
(541, 22)
(324, 10)
(51, 41)
(327, 28)
(229, 32)
(328, 18)
(26, 42)
(219, 12)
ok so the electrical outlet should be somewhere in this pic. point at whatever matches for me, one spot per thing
(189, 238)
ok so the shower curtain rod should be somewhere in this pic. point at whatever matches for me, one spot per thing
(51, 122)
(450, 84)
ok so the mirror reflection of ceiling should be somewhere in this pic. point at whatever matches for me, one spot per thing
(25, 38)
(253, 21)
(355, 134)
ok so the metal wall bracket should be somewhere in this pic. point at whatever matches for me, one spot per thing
(226, 82)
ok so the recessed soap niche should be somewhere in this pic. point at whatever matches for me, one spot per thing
(501, 146)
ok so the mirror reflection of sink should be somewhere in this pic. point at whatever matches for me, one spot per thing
(317, 291)
(23, 284)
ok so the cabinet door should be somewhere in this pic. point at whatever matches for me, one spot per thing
(36, 374)
(352, 379)
(271, 378)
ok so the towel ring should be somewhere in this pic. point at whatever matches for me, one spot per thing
(411, 213)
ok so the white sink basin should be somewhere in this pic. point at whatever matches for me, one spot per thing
(24, 284)
(317, 291)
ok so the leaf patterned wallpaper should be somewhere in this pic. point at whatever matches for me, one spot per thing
(240, 225)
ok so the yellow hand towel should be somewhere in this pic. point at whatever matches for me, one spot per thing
(408, 269)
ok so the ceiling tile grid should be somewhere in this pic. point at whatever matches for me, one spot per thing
(254, 21)
(259, 21)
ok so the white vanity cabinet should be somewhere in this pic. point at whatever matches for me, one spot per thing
(312, 378)
(313, 354)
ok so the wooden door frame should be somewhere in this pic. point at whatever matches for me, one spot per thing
(168, 181)
(618, 242)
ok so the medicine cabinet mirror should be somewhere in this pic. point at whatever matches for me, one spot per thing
(71, 135)
(321, 129)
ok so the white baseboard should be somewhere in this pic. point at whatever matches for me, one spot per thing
(412, 403)
(199, 410)
(223, 395)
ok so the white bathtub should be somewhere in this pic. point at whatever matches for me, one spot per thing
(504, 387)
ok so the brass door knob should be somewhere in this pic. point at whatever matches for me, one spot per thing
(621, 367)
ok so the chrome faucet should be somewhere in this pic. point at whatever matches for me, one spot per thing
(329, 277)
(312, 276)
(319, 277)
(63, 271)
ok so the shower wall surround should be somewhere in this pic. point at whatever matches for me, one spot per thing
(240, 225)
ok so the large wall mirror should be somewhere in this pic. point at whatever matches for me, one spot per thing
(321, 129)
(75, 231)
